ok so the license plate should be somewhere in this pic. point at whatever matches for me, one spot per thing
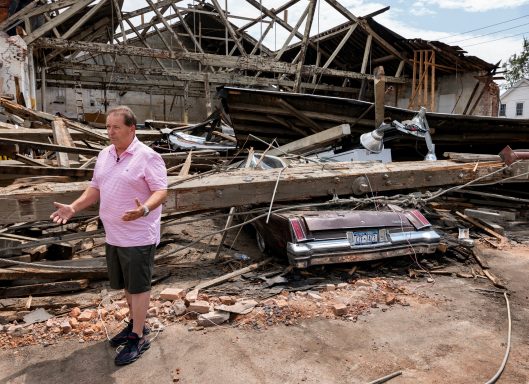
(362, 237)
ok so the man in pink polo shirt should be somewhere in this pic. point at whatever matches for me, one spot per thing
(130, 182)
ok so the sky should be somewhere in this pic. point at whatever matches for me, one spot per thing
(490, 30)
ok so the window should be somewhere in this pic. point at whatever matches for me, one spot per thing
(502, 109)
(519, 109)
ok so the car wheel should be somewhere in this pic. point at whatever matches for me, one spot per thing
(261, 243)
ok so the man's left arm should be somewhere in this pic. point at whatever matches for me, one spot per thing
(156, 179)
(142, 209)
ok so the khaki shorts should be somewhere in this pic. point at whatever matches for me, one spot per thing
(130, 268)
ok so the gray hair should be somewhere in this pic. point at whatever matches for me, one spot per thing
(128, 116)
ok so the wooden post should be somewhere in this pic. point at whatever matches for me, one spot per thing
(304, 43)
(207, 95)
(380, 90)
(43, 89)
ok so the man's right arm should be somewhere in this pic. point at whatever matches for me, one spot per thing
(65, 212)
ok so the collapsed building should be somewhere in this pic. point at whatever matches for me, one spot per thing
(167, 59)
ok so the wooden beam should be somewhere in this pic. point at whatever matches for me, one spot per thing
(302, 182)
(311, 142)
(248, 63)
(215, 78)
(380, 93)
(50, 147)
(311, 124)
(363, 23)
(43, 170)
(304, 43)
(62, 137)
(58, 20)
(340, 45)
(367, 51)
(83, 19)
(29, 161)
(272, 15)
(227, 24)
(292, 33)
(41, 135)
(43, 288)
(167, 26)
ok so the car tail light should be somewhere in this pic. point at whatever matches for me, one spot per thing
(418, 220)
(297, 229)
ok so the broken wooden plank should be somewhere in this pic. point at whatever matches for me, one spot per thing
(29, 161)
(184, 171)
(43, 170)
(191, 295)
(247, 186)
(501, 238)
(62, 137)
(470, 157)
(494, 279)
(42, 134)
(51, 147)
(43, 288)
(317, 140)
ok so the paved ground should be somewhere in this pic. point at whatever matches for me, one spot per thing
(455, 335)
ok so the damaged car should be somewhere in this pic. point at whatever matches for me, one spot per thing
(316, 237)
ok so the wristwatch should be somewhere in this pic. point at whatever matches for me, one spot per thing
(146, 210)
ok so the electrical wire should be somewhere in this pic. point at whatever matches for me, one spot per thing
(487, 34)
(508, 349)
(488, 26)
(501, 38)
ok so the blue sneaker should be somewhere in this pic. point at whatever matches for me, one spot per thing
(133, 349)
(121, 337)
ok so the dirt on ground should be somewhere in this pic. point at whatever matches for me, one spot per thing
(399, 316)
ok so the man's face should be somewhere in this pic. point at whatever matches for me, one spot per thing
(120, 135)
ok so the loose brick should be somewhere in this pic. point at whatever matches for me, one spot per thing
(390, 298)
(227, 300)
(121, 314)
(153, 312)
(172, 294)
(86, 315)
(73, 322)
(75, 312)
(65, 326)
(330, 287)
(199, 306)
(339, 309)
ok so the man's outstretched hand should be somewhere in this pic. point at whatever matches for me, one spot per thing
(134, 214)
(63, 213)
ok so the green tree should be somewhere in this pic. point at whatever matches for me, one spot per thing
(517, 67)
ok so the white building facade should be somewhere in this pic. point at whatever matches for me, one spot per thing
(514, 103)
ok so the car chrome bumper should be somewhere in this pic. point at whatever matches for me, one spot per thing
(317, 252)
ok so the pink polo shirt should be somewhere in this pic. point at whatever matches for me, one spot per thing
(139, 172)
